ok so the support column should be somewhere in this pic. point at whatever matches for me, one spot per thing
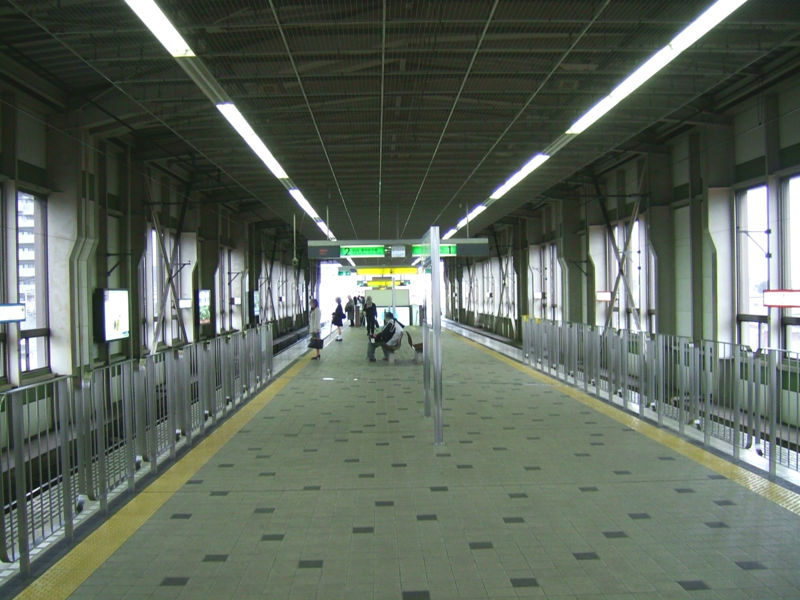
(521, 264)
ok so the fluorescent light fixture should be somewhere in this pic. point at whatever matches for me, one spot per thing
(471, 215)
(450, 234)
(529, 167)
(304, 204)
(158, 24)
(240, 124)
(602, 296)
(712, 17)
(324, 229)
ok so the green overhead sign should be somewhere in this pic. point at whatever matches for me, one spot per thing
(362, 251)
(425, 250)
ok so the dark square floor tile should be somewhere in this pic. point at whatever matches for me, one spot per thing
(262, 456)
(615, 534)
(409, 437)
(264, 510)
(215, 558)
(684, 490)
(464, 466)
(464, 441)
(219, 493)
(309, 564)
(352, 460)
(167, 581)
(309, 450)
(513, 520)
(499, 448)
(225, 465)
(194, 482)
(363, 530)
(366, 475)
(439, 488)
(693, 585)
(340, 440)
(399, 465)
(533, 438)
(481, 545)
(638, 516)
(426, 517)
(533, 468)
(666, 458)
(524, 582)
(272, 537)
(443, 455)
(518, 495)
(267, 474)
(716, 525)
(384, 502)
(582, 454)
(750, 565)
(381, 443)
(724, 502)
(312, 488)
(588, 488)
(417, 595)
(716, 476)
(622, 472)
(585, 555)
(255, 449)
(181, 516)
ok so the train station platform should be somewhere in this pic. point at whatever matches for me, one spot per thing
(328, 485)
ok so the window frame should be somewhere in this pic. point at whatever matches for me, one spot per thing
(42, 330)
(745, 318)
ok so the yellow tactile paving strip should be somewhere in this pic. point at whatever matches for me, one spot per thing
(755, 483)
(64, 577)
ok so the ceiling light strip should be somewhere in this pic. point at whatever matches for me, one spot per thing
(163, 30)
(710, 18)
(158, 24)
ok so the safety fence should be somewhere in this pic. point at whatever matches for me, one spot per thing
(724, 396)
(69, 445)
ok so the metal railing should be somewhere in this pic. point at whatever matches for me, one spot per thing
(69, 446)
(740, 402)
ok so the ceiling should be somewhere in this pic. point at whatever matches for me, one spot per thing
(390, 116)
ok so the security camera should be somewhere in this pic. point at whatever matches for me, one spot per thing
(295, 261)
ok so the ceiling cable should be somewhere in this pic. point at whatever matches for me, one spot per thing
(452, 110)
(311, 114)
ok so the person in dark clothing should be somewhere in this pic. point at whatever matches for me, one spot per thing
(338, 319)
(371, 315)
(349, 309)
(391, 335)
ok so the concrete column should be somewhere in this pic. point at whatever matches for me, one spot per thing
(521, 264)
(573, 260)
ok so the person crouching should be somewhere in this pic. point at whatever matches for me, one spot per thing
(390, 335)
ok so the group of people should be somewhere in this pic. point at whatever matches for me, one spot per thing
(390, 335)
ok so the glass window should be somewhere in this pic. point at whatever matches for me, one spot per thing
(753, 265)
(792, 266)
(32, 282)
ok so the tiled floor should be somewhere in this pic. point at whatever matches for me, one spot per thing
(335, 490)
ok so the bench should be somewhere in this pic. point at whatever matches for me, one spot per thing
(390, 350)
(416, 347)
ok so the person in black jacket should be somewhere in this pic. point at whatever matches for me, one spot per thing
(390, 335)
(371, 315)
(338, 318)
